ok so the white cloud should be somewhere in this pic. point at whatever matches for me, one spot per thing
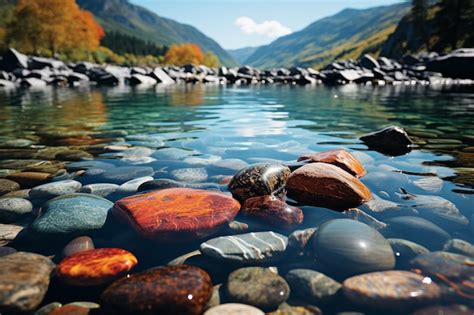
(268, 28)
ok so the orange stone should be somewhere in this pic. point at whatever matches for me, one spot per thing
(177, 214)
(339, 158)
(95, 266)
(70, 310)
(30, 179)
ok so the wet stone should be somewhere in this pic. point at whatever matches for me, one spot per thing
(312, 286)
(458, 246)
(30, 179)
(14, 209)
(77, 245)
(48, 308)
(229, 166)
(180, 290)
(70, 310)
(123, 174)
(273, 211)
(4, 251)
(95, 266)
(84, 165)
(234, 309)
(249, 248)
(454, 309)
(170, 214)
(101, 189)
(392, 140)
(55, 189)
(431, 184)
(286, 309)
(405, 250)
(24, 281)
(339, 158)
(351, 247)
(258, 287)
(391, 290)
(8, 232)
(71, 215)
(7, 186)
(190, 175)
(259, 180)
(169, 183)
(300, 238)
(326, 185)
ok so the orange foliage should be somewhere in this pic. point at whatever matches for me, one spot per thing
(181, 54)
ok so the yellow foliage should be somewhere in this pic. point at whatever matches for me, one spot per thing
(211, 60)
(181, 54)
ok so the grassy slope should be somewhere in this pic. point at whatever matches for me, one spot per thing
(339, 36)
(241, 54)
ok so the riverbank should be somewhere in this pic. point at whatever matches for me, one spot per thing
(19, 70)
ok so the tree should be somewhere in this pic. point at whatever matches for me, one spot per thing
(457, 20)
(419, 13)
(181, 54)
(211, 60)
(53, 26)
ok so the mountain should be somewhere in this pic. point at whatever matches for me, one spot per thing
(242, 54)
(122, 16)
(347, 34)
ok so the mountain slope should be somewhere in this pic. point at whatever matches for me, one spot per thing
(133, 20)
(242, 54)
(347, 34)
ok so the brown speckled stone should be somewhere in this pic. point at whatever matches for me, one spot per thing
(259, 180)
(178, 290)
(273, 211)
(339, 158)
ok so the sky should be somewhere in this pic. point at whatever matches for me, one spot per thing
(240, 23)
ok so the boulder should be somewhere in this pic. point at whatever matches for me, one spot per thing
(369, 62)
(458, 64)
(392, 140)
(339, 158)
(161, 77)
(138, 79)
(12, 59)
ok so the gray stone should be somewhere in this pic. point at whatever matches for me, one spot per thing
(405, 250)
(13, 209)
(77, 245)
(190, 175)
(8, 232)
(234, 309)
(250, 248)
(312, 286)
(55, 189)
(458, 246)
(101, 189)
(7, 186)
(131, 186)
(120, 175)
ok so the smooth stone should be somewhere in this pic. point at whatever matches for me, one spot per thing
(48, 308)
(84, 165)
(181, 260)
(70, 215)
(95, 266)
(22, 193)
(202, 159)
(30, 179)
(74, 155)
(418, 230)
(24, 281)
(89, 305)
(8, 233)
(77, 245)
(101, 189)
(249, 248)
(259, 180)
(300, 238)
(286, 309)
(326, 185)
(4, 251)
(359, 215)
(180, 290)
(14, 209)
(171, 214)
(351, 247)
(405, 250)
(273, 211)
(172, 154)
(229, 166)
(190, 175)
(216, 297)
(7, 186)
(258, 287)
(391, 290)
(70, 309)
(312, 286)
(339, 158)
(454, 309)
(169, 183)
(234, 309)
(55, 189)
(123, 174)
(382, 206)
(431, 184)
(458, 246)
(132, 185)
(392, 140)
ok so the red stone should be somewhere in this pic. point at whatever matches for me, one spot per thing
(326, 185)
(273, 211)
(95, 266)
(177, 214)
(339, 158)
(70, 310)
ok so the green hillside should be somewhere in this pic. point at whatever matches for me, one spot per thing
(348, 34)
(242, 54)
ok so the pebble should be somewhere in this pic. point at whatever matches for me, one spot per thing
(48, 308)
(131, 186)
(405, 251)
(259, 180)
(339, 158)
(55, 189)
(169, 183)
(84, 165)
(95, 266)
(14, 209)
(300, 238)
(70, 215)
(419, 230)
(234, 309)
(312, 286)
(326, 185)
(190, 175)
(249, 248)
(30, 179)
(123, 174)
(77, 245)
(8, 232)
(258, 287)
(101, 189)
(395, 290)
(170, 214)
(7, 186)
(458, 246)
(229, 166)
(70, 309)
(392, 140)
(351, 247)
(273, 211)
(24, 281)
(162, 290)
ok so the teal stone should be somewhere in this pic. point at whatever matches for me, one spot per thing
(71, 215)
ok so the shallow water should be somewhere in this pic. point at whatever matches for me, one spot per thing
(256, 124)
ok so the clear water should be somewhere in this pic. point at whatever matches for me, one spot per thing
(263, 123)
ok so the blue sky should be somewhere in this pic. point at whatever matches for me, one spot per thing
(239, 23)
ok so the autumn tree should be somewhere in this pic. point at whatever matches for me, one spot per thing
(54, 26)
(211, 60)
(181, 54)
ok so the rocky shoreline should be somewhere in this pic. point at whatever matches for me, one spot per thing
(19, 70)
